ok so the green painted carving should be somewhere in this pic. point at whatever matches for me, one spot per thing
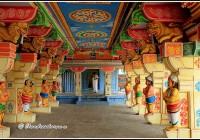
(113, 53)
(125, 37)
(197, 49)
(52, 21)
(188, 48)
(137, 17)
(18, 56)
(118, 47)
(40, 19)
(65, 46)
(71, 53)
(53, 35)
(61, 70)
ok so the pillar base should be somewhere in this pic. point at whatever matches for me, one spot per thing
(54, 103)
(164, 119)
(128, 103)
(181, 133)
(5, 132)
(26, 118)
(195, 133)
(10, 118)
(153, 119)
(41, 109)
(139, 109)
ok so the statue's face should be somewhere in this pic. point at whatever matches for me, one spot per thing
(148, 83)
(28, 82)
(170, 83)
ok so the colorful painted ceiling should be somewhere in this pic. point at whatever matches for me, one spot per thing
(89, 25)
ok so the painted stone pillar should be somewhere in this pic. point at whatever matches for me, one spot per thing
(159, 73)
(37, 76)
(187, 69)
(130, 74)
(7, 56)
(78, 84)
(16, 77)
(51, 76)
(141, 73)
(108, 77)
(78, 81)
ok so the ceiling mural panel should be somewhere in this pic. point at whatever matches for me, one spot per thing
(90, 24)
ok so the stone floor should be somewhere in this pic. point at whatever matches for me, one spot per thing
(87, 121)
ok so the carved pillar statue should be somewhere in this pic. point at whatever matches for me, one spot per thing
(187, 70)
(52, 77)
(43, 67)
(7, 56)
(141, 74)
(16, 77)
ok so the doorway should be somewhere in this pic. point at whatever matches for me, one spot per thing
(90, 73)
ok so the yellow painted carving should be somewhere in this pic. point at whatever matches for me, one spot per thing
(162, 32)
(146, 47)
(13, 31)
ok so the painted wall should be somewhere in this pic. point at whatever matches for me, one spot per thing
(68, 81)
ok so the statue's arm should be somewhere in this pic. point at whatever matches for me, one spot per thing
(174, 96)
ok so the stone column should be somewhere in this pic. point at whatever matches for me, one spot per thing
(78, 84)
(37, 76)
(16, 77)
(7, 56)
(51, 76)
(187, 69)
(108, 89)
(141, 73)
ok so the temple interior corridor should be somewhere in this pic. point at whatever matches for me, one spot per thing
(90, 121)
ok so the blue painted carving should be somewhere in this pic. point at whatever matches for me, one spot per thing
(198, 113)
(197, 86)
(198, 122)
(166, 84)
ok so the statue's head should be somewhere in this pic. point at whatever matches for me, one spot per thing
(173, 81)
(149, 80)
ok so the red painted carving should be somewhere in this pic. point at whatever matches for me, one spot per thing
(164, 12)
(184, 112)
(17, 14)
(108, 69)
(128, 68)
(149, 58)
(116, 57)
(7, 49)
(78, 69)
(54, 67)
(157, 102)
(62, 52)
(53, 44)
(139, 34)
(35, 31)
(128, 45)
(43, 62)
(137, 64)
(171, 49)
(121, 52)
(28, 57)
(197, 62)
